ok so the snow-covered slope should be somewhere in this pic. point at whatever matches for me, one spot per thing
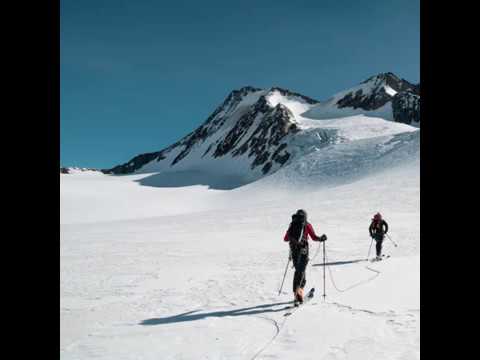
(193, 273)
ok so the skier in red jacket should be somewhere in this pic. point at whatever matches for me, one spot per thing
(297, 236)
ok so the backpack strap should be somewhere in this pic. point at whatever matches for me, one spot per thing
(301, 233)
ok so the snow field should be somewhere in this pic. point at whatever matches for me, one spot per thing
(204, 284)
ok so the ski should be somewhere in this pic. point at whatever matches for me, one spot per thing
(383, 257)
(297, 304)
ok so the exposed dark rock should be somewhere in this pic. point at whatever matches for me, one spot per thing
(406, 107)
(416, 89)
(280, 148)
(207, 151)
(260, 159)
(241, 127)
(391, 80)
(365, 101)
(281, 159)
(275, 125)
(235, 134)
(377, 96)
(293, 128)
(266, 168)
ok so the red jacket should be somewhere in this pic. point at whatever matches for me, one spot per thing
(308, 231)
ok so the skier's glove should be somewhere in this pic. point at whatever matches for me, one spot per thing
(323, 237)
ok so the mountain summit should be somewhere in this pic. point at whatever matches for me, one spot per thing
(384, 95)
(375, 92)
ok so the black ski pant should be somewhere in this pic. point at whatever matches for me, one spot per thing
(378, 246)
(300, 261)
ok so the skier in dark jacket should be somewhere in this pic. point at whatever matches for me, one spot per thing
(298, 241)
(377, 229)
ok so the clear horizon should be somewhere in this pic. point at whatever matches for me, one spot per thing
(136, 77)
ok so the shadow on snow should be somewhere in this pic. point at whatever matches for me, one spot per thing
(340, 262)
(191, 316)
(190, 178)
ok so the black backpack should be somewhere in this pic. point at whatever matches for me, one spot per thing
(296, 229)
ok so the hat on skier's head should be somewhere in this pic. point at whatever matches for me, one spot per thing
(377, 216)
(302, 212)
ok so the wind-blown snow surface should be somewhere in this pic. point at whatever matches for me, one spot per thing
(193, 273)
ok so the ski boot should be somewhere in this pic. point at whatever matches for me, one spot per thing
(299, 295)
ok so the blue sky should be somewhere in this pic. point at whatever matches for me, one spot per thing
(135, 76)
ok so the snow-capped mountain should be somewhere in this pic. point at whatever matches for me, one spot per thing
(384, 95)
(255, 132)
(375, 92)
(252, 127)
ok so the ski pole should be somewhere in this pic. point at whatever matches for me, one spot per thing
(392, 240)
(324, 271)
(370, 248)
(284, 275)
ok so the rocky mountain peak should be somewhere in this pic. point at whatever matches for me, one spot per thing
(389, 79)
(375, 92)
(238, 94)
